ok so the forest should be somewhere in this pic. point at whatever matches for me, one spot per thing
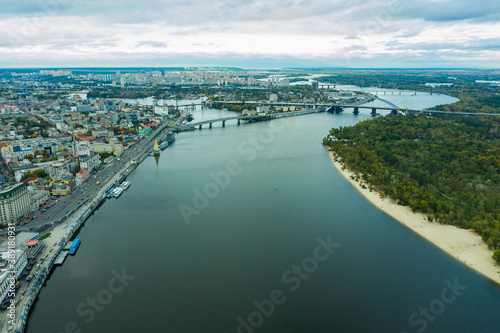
(234, 107)
(473, 102)
(447, 168)
(118, 93)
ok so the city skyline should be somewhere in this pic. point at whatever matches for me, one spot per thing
(251, 34)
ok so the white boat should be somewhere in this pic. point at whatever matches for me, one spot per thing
(125, 185)
(118, 192)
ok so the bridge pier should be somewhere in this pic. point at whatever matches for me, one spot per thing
(394, 112)
(374, 112)
(238, 121)
(200, 126)
(210, 125)
(356, 111)
(223, 123)
(335, 109)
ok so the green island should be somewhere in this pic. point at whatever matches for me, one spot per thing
(447, 168)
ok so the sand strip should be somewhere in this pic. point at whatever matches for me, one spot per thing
(457, 242)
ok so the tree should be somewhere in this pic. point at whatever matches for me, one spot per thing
(27, 175)
(496, 256)
(40, 173)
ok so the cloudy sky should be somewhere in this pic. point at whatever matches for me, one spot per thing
(250, 33)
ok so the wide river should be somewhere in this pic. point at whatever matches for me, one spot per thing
(250, 228)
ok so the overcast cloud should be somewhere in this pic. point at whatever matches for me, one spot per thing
(250, 33)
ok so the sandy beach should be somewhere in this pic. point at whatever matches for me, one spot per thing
(457, 242)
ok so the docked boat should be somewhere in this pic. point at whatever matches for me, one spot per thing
(118, 192)
(170, 137)
(125, 185)
(74, 246)
(111, 192)
(189, 117)
(164, 145)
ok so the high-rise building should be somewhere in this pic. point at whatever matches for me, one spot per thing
(14, 203)
(315, 85)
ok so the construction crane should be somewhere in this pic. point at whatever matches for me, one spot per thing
(210, 98)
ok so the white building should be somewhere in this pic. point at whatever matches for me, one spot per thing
(102, 133)
(99, 147)
(14, 203)
(284, 83)
(9, 275)
(263, 109)
(38, 197)
(78, 181)
(63, 167)
(90, 162)
(82, 149)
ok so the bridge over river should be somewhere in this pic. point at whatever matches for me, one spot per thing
(191, 126)
(341, 105)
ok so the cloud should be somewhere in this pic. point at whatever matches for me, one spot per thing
(327, 31)
(152, 43)
(456, 10)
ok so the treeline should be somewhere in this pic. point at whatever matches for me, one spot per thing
(415, 79)
(447, 169)
(118, 93)
(473, 102)
(235, 107)
(408, 80)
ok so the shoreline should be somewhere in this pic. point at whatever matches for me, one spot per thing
(459, 243)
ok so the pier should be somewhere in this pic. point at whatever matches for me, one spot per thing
(63, 254)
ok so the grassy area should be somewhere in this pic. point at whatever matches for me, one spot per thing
(47, 235)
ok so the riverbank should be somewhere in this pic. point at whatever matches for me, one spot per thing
(465, 245)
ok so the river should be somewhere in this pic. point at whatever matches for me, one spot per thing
(251, 229)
